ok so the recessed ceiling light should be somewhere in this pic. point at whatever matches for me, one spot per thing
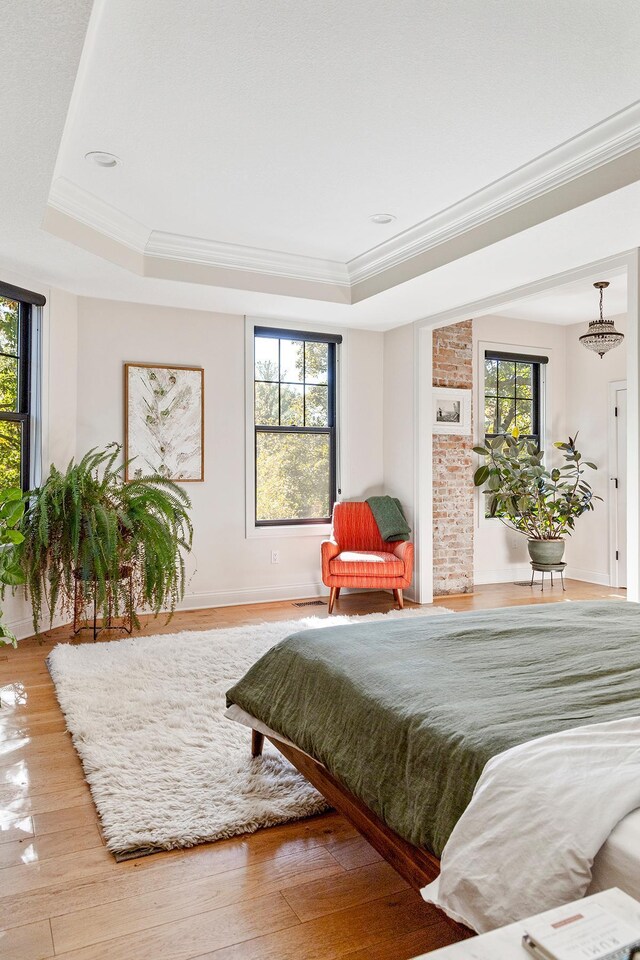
(382, 218)
(102, 159)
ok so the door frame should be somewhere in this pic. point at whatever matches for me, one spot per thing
(614, 562)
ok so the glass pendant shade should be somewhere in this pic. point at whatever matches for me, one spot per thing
(601, 336)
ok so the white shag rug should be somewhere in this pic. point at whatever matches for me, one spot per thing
(166, 768)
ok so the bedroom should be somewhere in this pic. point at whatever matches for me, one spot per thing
(170, 183)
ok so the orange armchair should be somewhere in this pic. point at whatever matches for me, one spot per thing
(357, 556)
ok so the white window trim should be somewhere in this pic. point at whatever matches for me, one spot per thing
(318, 530)
(478, 398)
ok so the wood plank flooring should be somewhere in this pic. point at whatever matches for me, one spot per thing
(312, 890)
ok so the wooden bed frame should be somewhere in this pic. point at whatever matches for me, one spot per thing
(417, 866)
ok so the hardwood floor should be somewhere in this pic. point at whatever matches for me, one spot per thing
(312, 890)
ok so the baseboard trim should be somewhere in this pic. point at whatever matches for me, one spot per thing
(235, 598)
(588, 576)
(519, 571)
(23, 627)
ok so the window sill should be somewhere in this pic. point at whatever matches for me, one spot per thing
(315, 530)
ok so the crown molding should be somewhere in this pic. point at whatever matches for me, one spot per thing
(605, 151)
(232, 256)
(72, 200)
(585, 153)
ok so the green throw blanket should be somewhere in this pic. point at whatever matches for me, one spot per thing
(406, 712)
(389, 516)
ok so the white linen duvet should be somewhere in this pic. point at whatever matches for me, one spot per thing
(540, 813)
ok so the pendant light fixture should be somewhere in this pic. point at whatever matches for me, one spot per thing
(601, 335)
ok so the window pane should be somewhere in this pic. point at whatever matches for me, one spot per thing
(266, 358)
(316, 406)
(490, 414)
(10, 436)
(292, 476)
(291, 360)
(524, 416)
(291, 405)
(267, 404)
(506, 378)
(316, 362)
(490, 376)
(8, 326)
(524, 380)
(506, 414)
(8, 384)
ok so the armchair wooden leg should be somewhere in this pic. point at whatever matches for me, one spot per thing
(399, 599)
(257, 743)
(333, 596)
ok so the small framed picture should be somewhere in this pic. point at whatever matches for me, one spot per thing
(451, 411)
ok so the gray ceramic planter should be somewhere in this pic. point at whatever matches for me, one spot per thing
(546, 551)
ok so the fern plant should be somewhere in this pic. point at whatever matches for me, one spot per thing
(88, 525)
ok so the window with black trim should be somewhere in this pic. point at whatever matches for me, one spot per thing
(512, 395)
(295, 426)
(15, 386)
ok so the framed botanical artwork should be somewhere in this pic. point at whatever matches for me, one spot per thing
(451, 411)
(164, 421)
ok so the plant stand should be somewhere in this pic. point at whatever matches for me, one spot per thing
(550, 568)
(80, 601)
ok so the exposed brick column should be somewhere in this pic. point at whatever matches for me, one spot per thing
(453, 490)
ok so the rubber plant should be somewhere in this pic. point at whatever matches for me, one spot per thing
(12, 507)
(87, 524)
(542, 504)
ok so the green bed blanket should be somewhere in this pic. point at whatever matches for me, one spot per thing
(406, 712)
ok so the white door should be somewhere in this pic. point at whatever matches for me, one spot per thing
(620, 487)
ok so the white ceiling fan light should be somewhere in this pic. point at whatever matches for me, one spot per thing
(103, 159)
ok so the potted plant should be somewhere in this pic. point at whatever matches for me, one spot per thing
(88, 526)
(11, 511)
(539, 503)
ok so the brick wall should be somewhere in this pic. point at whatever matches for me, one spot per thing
(453, 490)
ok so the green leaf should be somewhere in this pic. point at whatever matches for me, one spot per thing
(481, 451)
(12, 536)
(481, 475)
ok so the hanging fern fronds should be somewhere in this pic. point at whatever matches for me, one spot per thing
(88, 525)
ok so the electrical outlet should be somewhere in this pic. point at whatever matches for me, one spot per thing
(275, 556)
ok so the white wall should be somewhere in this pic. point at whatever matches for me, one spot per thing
(225, 566)
(587, 395)
(500, 555)
(399, 419)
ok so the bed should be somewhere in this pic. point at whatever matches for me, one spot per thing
(395, 722)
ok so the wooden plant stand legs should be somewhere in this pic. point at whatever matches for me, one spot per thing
(399, 599)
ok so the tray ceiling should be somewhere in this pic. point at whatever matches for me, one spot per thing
(257, 140)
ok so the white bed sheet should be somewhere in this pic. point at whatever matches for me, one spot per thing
(618, 862)
(616, 865)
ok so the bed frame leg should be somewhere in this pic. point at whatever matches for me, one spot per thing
(333, 596)
(257, 743)
(399, 599)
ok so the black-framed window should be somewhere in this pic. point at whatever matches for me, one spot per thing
(16, 320)
(512, 394)
(295, 426)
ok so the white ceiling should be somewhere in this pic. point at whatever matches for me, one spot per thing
(573, 302)
(284, 125)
